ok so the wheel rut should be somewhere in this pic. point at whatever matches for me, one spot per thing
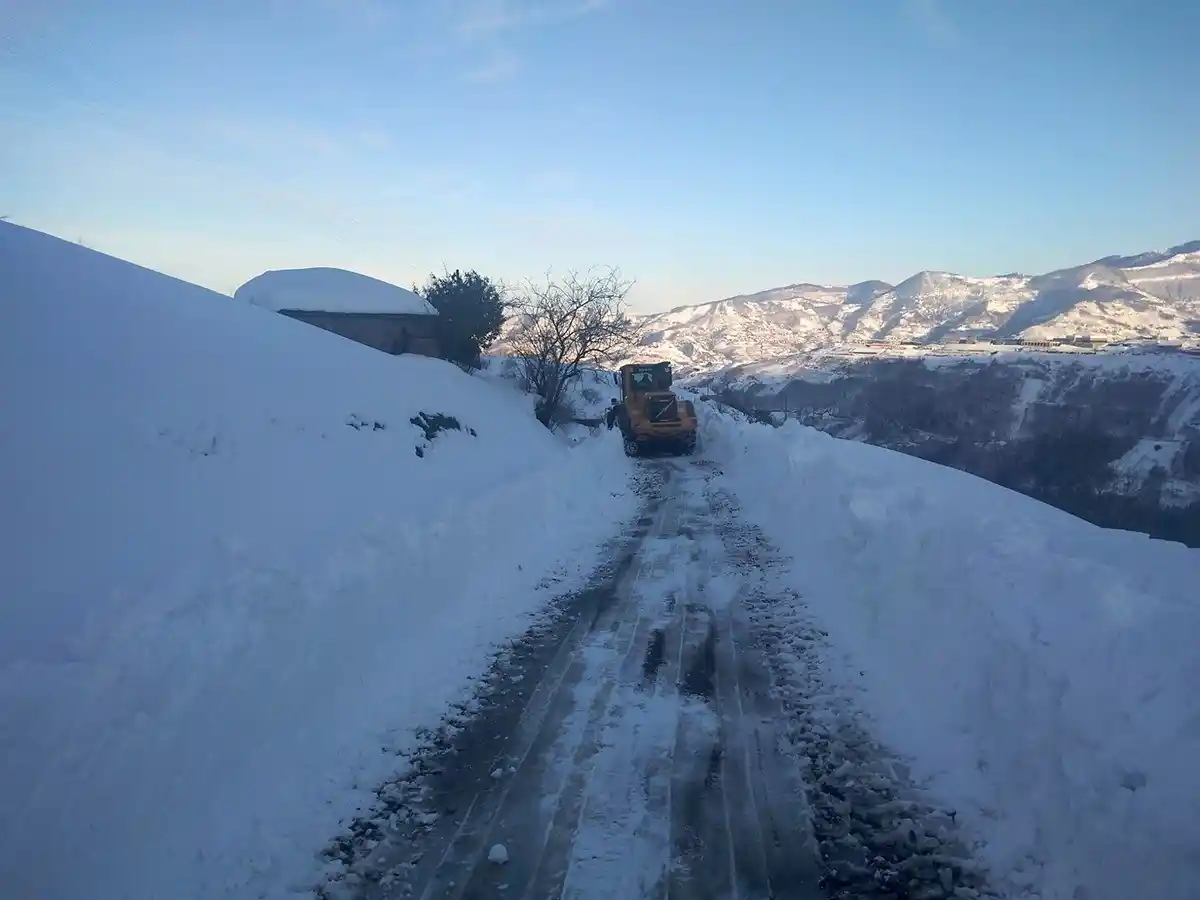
(642, 745)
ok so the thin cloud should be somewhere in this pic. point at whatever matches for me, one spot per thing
(502, 65)
(362, 13)
(934, 21)
(499, 25)
(492, 29)
(478, 19)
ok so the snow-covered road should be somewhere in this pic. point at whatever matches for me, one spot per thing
(794, 653)
(645, 746)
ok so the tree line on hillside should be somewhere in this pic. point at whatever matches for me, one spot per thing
(562, 325)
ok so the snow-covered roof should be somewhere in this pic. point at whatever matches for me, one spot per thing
(330, 290)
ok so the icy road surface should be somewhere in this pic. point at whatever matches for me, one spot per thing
(648, 744)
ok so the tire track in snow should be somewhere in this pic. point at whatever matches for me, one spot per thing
(391, 850)
(625, 792)
(703, 863)
(877, 835)
(463, 872)
(781, 860)
(620, 664)
(645, 763)
(744, 826)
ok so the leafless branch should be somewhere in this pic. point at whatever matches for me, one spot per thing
(566, 324)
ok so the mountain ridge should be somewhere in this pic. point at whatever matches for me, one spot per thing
(1152, 296)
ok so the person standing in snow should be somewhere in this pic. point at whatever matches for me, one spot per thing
(610, 416)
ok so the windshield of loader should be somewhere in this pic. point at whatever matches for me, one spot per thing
(650, 378)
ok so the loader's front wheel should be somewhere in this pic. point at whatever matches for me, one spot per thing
(631, 447)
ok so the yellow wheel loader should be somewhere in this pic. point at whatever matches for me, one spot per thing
(649, 414)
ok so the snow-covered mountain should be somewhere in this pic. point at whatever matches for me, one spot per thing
(765, 325)
(1151, 296)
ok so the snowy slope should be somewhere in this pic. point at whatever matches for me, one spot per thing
(330, 290)
(236, 576)
(1152, 257)
(1172, 276)
(763, 325)
(1102, 302)
(1038, 671)
(588, 396)
(1153, 296)
(931, 304)
(1096, 300)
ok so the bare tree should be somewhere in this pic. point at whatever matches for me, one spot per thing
(564, 325)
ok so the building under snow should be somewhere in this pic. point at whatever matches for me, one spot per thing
(358, 307)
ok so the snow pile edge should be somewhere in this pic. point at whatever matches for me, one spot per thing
(255, 708)
(1037, 669)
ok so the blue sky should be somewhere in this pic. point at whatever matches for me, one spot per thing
(707, 148)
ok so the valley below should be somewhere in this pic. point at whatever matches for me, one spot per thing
(1113, 439)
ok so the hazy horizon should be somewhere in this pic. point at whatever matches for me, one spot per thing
(707, 149)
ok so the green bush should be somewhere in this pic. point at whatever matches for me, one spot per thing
(471, 312)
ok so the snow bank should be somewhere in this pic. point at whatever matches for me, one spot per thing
(1041, 671)
(330, 290)
(589, 396)
(232, 587)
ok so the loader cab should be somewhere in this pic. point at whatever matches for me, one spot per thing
(645, 379)
(650, 415)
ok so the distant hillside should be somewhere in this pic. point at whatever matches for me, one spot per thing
(1150, 296)
(1113, 437)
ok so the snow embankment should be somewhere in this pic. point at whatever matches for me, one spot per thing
(1040, 671)
(244, 559)
(588, 396)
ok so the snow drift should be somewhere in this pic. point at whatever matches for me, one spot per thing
(244, 559)
(586, 397)
(1039, 670)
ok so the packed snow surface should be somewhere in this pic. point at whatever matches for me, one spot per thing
(232, 588)
(1040, 671)
(330, 290)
